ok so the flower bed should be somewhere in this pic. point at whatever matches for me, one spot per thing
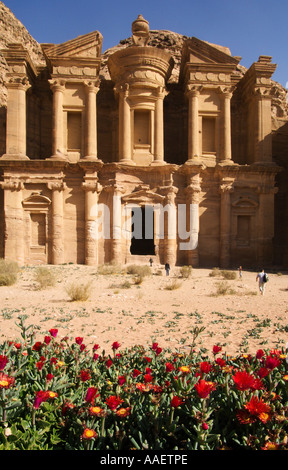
(60, 395)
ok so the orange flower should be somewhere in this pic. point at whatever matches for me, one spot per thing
(185, 369)
(144, 387)
(123, 412)
(96, 411)
(89, 434)
(6, 381)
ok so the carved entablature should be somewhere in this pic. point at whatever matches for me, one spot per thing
(206, 64)
(257, 80)
(75, 59)
(20, 65)
(141, 65)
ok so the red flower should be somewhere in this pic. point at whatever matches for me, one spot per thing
(272, 362)
(95, 347)
(216, 349)
(109, 363)
(205, 367)
(37, 346)
(3, 362)
(95, 357)
(40, 363)
(156, 348)
(260, 353)
(176, 401)
(113, 402)
(148, 378)
(47, 340)
(136, 372)
(49, 377)
(84, 375)
(115, 345)
(78, 340)
(220, 362)
(121, 379)
(53, 332)
(244, 417)
(205, 426)
(262, 372)
(42, 396)
(245, 381)
(169, 367)
(91, 394)
(257, 407)
(204, 388)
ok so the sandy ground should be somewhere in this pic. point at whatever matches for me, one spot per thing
(242, 321)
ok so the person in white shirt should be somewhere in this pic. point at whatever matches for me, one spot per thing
(262, 280)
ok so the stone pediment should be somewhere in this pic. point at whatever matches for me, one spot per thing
(86, 46)
(202, 52)
(142, 197)
(36, 201)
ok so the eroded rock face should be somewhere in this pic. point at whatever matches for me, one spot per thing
(11, 31)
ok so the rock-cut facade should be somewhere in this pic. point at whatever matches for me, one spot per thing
(160, 148)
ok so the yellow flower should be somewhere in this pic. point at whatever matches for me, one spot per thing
(184, 369)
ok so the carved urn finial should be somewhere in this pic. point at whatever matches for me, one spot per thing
(140, 31)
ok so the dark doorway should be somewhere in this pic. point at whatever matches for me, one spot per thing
(142, 229)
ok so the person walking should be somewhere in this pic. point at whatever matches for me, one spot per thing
(262, 278)
(167, 268)
(240, 271)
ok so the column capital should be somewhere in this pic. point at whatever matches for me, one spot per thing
(56, 185)
(19, 83)
(193, 90)
(13, 185)
(226, 91)
(57, 84)
(92, 186)
(92, 86)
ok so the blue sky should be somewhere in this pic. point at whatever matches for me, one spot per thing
(248, 28)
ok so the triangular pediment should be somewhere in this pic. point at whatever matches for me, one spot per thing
(86, 46)
(202, 52)
(143, 196)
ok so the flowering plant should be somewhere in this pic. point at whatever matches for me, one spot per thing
(56, 394)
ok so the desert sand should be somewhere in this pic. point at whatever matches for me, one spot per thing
(241, 322)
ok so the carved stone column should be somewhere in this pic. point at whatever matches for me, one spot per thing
(265, 225)
(57, 87)
(115, 192)
(124, 125)
(16, 119)
(226, 189)
(170, 226)
(192, 192)
(263, 137)
(226, 124)
(193, 122)
(57, 236)
(14, 221)
(159, 127)
(92, 89)
(92, 189)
